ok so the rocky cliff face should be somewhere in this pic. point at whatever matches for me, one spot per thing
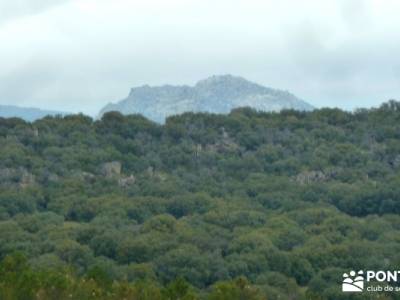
(217, 94)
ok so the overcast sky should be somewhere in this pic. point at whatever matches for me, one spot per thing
(78, 55)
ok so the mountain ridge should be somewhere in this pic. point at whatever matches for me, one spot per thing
(29, 114)
(215, 94)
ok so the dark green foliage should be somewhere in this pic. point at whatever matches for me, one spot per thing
(129, 208)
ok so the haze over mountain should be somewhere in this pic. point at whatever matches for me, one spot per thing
(216, 94)
(29, 114)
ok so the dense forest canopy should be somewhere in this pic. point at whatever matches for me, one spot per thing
(248, 205)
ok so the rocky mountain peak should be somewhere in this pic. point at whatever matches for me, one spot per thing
(216, 94)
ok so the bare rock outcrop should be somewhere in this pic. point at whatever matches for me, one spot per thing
(27, 179)
(16, 177)
(111, 169)
(126, 181)
(216, 94)
(308, 177)
(151, 173)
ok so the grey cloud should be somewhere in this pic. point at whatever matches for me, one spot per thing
(82, 65)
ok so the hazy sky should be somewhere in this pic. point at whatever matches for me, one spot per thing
(78, 55)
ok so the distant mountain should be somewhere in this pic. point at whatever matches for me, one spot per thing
(217, 94)
(27, 113)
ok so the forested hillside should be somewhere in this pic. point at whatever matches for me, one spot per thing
(248, 205)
